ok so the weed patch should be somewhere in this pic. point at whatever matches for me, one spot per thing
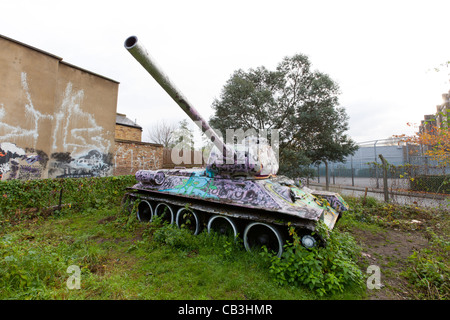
(410, 243)
(326, 270)
(24, 200)
(429, 270)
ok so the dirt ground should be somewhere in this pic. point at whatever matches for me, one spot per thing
(389, 251)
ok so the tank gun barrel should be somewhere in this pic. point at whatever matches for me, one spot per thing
(138, 51)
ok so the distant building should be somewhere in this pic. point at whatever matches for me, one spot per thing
(127, 129)
(440, 119)
(443, 111)
(131, 154)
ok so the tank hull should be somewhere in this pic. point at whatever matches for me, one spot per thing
(276, 201)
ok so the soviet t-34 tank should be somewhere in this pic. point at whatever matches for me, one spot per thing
(238, 193)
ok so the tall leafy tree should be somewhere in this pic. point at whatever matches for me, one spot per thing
(301, 103)
(183, 136)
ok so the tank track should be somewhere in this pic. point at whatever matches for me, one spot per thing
(256, 227)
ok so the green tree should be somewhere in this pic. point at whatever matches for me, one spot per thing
(183, 136)
(301, 103)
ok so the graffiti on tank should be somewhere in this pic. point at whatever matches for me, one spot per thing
(251, 159)
(17, 163)
(336, 202)
(280, 191)
(306, 199)
(200, 186)
(294, 197)
(266, 193)
(195, 186)
(245, 192)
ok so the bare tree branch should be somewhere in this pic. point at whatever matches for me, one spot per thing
(162, 133)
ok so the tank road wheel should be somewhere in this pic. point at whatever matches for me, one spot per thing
(258, 234)
(127, 203)
(222, 225)
(187, 218)
(308, 241)
(164, 211)
(144, 211)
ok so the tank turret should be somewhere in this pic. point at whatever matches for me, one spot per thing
(238, 193)
(254, 159)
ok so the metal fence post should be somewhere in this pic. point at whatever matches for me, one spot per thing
(353, 172)
(318, 173)
(334, 174)
(385, 183)
(376, 161)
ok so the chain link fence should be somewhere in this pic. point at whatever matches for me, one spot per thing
(406, 172)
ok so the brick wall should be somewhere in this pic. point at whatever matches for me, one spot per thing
(128, 133)
(131, 156)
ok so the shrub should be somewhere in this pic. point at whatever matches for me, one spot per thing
(431, 183)
(22, 199)
(325, 269)
(173, 236)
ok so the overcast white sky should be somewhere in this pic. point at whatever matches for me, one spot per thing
(382, 53)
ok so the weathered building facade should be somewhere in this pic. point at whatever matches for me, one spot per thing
(56, 120)
(131, 154)
(438, 120)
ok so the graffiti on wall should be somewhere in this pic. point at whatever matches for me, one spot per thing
(92, 164)
(17, 163)
(136, 159)
(80, 147)
(34, 118)
(74, 129)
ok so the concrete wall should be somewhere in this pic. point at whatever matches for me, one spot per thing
(56, 119)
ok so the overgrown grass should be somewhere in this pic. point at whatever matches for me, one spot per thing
(22, 200)
(122, 258)
(374, 214)
(428, 270)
